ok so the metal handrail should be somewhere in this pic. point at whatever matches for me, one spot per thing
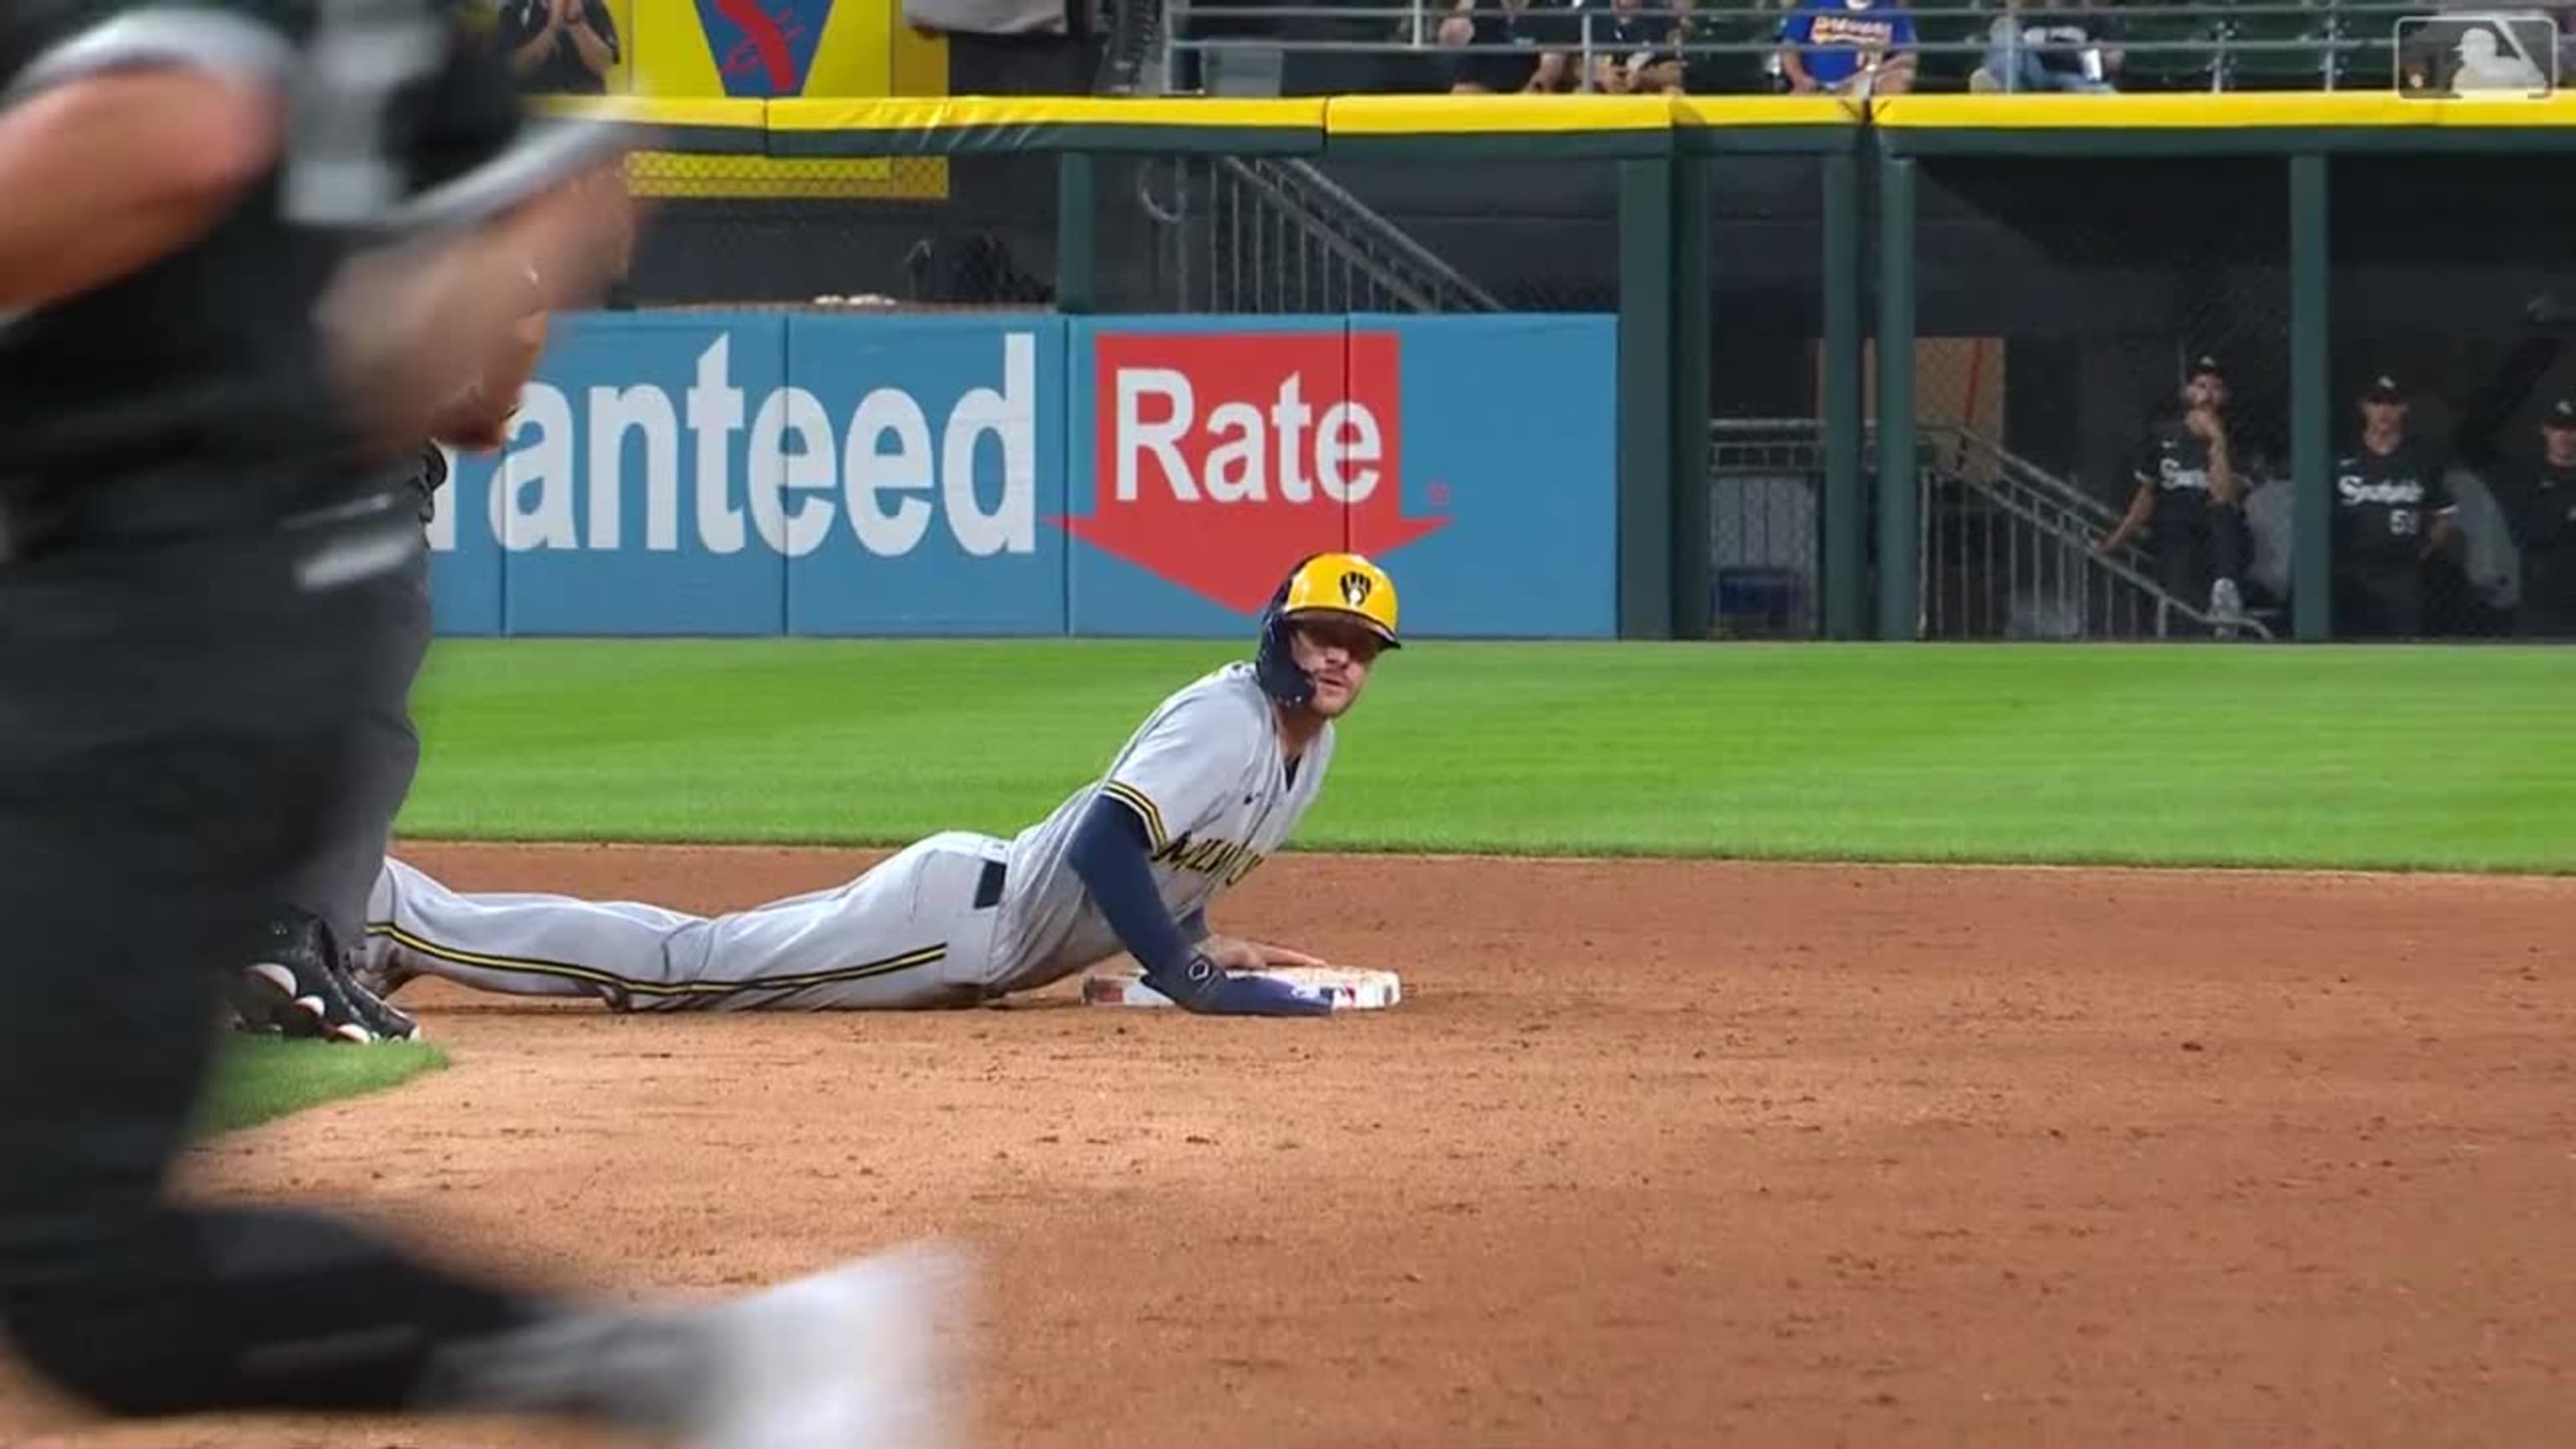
(2064, 512)
(1448, 289)
(2051, 505)
(1126, 55)
(1355, 232)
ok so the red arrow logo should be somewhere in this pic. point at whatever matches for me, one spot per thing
(1220, 459)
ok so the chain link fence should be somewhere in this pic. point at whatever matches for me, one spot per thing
(2451, 281)
(2088, 329)
(1173, 233)
(974, 230)
(1266, 235)
(1766, 269)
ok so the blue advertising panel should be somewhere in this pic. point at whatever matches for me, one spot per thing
(1016, 475)
(923, 498)
(626, 503)
(1509, 518)
(464, 555)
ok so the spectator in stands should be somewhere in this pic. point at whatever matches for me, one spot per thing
(1727, 72)
(2191, 498)
(2539, 501)
(1849, 47)
(2052, 48)
(1634, 50)
(2392, 514)
(558, 47)
(1535, 32)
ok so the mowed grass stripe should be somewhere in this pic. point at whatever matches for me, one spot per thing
(2341, 757)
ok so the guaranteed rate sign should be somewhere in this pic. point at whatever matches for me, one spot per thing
(790, 473)
(1222, 458)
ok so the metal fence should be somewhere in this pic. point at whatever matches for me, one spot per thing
(2006, 549)
(1180, 232)
(2448, 280)
(2134, 279)
(1270, 234)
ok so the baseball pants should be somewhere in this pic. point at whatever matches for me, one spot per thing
(2190, 559)
(2378, 604)
(916, 931)
(334, 881)
(178, 733)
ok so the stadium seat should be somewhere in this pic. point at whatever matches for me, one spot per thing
(2298, 65)
(2164, 70)
(1948, 70)
(1745, 72)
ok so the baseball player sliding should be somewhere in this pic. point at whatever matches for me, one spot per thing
(1207, 788)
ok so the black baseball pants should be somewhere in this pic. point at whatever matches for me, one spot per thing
(2190, 557)
(334, 882)
(177, 734)
(2385, 602)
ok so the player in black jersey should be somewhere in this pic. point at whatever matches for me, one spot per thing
(2539, 502)
(2392, 512)
(250, 256)
(2191, 501)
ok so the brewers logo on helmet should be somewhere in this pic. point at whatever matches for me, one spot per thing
(1336, 585)
(1343, 584)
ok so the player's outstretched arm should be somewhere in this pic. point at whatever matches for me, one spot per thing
(1109, 854)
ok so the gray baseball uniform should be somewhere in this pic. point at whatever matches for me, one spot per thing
(950, 920)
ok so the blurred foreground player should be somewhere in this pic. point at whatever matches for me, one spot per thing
(241, 271)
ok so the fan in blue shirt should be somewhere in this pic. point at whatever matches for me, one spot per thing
(1830, 43)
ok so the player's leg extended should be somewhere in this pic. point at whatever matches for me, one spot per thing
(523, 943)
(898, 936)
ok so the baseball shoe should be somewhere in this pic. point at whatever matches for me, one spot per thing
(2226, 608)
(855, 1355)
(387, 1021)
(295, 985)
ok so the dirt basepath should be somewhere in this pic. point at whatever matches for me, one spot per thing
(1655, 1154)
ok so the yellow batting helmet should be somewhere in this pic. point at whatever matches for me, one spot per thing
(1345, 584)
(1341, 585)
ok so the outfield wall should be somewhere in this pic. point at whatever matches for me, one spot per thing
(748, 474)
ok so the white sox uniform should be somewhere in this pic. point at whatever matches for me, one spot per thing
(951, 920)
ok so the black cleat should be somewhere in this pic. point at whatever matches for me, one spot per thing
(297, 986)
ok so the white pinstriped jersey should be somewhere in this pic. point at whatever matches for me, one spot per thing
(1207, 774)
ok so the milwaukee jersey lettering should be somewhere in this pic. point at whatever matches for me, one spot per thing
(1207, 776)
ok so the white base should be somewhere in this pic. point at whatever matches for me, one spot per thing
(1350, 989)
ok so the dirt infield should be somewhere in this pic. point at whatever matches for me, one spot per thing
(1653, 1154)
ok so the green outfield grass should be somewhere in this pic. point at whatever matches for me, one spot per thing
(2395, 757)
(260, 1079)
